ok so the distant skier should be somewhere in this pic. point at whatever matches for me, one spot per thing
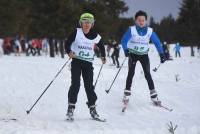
(135, 43)
(80, 47)
(166, 51)
(115, 54)
(177, 49)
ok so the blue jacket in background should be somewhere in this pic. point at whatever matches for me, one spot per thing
(141, 31)
(177, 47)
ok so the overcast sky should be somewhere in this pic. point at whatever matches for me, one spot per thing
(156, 8)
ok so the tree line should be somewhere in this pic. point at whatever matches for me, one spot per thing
(58, 18)
(184, 29)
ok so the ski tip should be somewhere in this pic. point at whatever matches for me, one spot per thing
(98, 119)
(14, 119)
(9, 119)
(69, 120)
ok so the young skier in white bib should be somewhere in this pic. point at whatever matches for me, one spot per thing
(80, 47)
(135, 43)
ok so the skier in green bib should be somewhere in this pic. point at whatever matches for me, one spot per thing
(80, 47)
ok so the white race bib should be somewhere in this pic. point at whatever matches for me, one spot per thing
(139, 44)
(84, 47)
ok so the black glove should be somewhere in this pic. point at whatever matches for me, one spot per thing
(162, 58)
(126, 53)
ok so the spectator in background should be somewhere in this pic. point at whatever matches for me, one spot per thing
(51, 47)
(31, 48)
(39, 46)
(28, 48)
(34, 46)
(198, 50)
(1, 47)
(55, 41)
(61, 47)
(7, 48)
(17, 47)
(23, 43)
(45, 46)
(177, 50)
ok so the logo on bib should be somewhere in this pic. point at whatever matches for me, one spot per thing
(84, 47)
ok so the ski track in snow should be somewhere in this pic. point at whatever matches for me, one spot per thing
(23, 79)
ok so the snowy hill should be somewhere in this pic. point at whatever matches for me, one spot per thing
(22, 80)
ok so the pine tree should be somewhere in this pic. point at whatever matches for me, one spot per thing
(189, 19)
(58, 18)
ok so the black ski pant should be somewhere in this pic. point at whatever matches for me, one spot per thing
(115, 57)
(144, 60)
(85, 68)
(31, 50)
(177, 53)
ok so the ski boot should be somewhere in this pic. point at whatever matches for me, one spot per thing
(127, 94)
(154, 98)
(93, 112)
(70, 112)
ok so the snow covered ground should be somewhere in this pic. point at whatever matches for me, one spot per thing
(22, 80)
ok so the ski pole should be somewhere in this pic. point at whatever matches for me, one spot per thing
(107, 91)
(96, 80)
(156, 68)
(98, 76)
(28, 111)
